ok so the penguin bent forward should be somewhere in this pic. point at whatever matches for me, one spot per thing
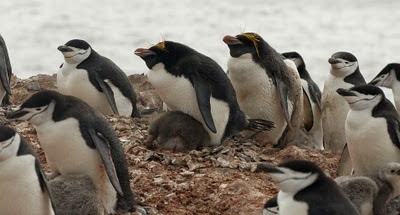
(23, 185)
(193, 83)
(344, 73)
(311, 100)
(389, 77)
(267, 86)
(306, 190)
(372, 129)
(77, 139)
(95, 79)
(5, 72)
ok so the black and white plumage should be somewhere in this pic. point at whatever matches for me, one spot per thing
(306, 190)
(77, 139)
(311, 100)
(271, 206)
(267, 86)
(5, 71)
(389, 77)
(344, 73)
(193, 83)
(95, 79)
(372, 129)
(23, 185)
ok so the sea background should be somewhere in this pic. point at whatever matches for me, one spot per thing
(33, 29)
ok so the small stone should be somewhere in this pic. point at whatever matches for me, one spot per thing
(183, 186)
(158, 180)
(223, 186)
(33, 86)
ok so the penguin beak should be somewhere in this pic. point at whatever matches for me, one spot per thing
(64, 48)
(144, 52)
(16, 114)
(344, 92)
(267, 168)
(229, 40)
(333, 61)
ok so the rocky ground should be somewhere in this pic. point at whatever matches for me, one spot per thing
(217, 180)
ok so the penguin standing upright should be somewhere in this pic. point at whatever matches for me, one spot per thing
(344, 73)
(372, 129)
(306, 190)
(193, 83)
(5, 72)
(389, 77)
(267, 86)
(23, 186)
(95, 79)
(311, 100)
(78, 140)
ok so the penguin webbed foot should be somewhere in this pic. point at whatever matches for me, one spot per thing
(142, 208)
(259, 125)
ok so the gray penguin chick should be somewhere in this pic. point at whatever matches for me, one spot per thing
(177, 131)
(76, 194)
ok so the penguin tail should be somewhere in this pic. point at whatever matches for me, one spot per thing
(259, 125)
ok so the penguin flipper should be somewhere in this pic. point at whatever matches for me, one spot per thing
(394, 130)
(43, 184)
(108, 92)
(4, 76)
(104, 150)
(315, 94)
(283, 97)
(203, 95)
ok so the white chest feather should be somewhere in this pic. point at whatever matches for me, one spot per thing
(67, 153)
(75, 82)
(20, 188)
(369, 142)
(287, 205)
(256, 94)
(179, 94)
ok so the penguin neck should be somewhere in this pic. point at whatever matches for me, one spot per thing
(396, 93)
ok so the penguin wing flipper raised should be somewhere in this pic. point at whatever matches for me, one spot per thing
(203, 96)
(107, 91)
(104, 150)
(4, 74)
(43, 184)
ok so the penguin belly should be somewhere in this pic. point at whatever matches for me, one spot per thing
(257, 95)
(75, 82)
(20, 188)
(68, 154)
(334, 113)
(369, 143)
(179, 94)
(287, 205)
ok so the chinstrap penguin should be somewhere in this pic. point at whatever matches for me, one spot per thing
(95, 79)
(389, 77)
(344, 73)
(5, 72)
(177, 131)
(267, 86)
(311, 100)
(372, 129)
(193, 83)
(372, 193)
(23, 185)
(306, 190)
(77, 139)
(271, 206)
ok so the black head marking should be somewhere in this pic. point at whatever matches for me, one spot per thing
(6, 133)
(296, 55)
(272, 202)
(77, 43)
(302, 166)
(368, 90)
(345, 56)
(395, 67)
(248, 42)
(40, 99)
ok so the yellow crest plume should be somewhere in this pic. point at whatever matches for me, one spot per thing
(161, 45)
(253, 38)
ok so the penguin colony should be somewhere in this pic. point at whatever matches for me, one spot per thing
(268, 94)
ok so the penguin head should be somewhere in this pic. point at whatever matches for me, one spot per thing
(38, 108)
(167, 53)
(362, 97)
(343, 64)
(75, 51)
(245, 43)
(293, 176)
(9, 142)
(388, 76)
(296, 58)
(271, 206)
(391, 173)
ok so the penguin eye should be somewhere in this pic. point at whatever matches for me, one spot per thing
(392, 171)
(346, 62)
(38, 109)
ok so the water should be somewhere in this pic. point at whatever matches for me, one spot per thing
(33, 29)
